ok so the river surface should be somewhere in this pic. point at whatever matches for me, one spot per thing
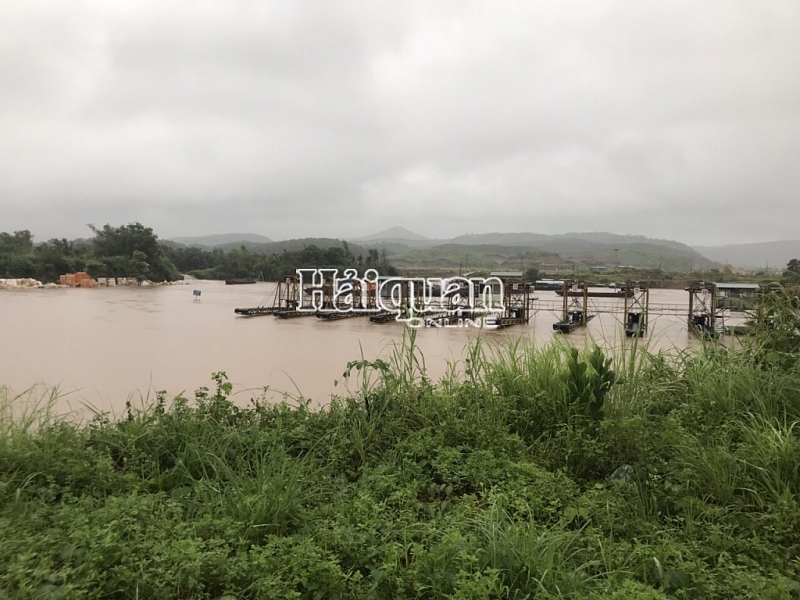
(104, 346)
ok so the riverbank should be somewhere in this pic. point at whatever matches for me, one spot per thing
(22, 283)
(540, 472)
(31, 284)
(103, 343)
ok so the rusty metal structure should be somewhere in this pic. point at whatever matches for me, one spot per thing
(636, 309)
(575, 307)
(516, 302)
(703, 311)
(286, 299)
(340, 298)
(477, 302)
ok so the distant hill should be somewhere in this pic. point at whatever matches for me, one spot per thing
(393, 234)
(221, 239)
(298, 244)
(553, 254)
(493, 257)
(407, 249)
(600, 248)
(529, 238)
(754, 256)
(502, 239)
(294, 245)
(613, 238)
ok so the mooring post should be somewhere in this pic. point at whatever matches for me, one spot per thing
(585, 301)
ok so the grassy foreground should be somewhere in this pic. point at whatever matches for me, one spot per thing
(492, 484)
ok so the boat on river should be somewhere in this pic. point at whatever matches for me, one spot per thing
(598, 293)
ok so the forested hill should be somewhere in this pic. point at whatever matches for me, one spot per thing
(754, 256)
(221, 239)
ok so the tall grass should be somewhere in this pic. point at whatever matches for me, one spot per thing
(526, 473)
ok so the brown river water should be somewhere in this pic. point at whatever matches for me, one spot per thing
(104, 346)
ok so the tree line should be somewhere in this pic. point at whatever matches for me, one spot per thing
(239, 263)
(127, 251)
(134, 250)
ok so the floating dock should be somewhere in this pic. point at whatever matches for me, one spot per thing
(703, 310)
(710, 304)
(636, 309)
(702, 326)
(257, 311)
(294, 314)
(574, 320)
(574, 307)
(286, 299)
(383, 317)
(336, 315)
(635, 326)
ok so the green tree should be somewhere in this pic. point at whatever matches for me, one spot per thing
(19, 243)
(792, 273)
(118, 246)
(139, 266)
(532, 274)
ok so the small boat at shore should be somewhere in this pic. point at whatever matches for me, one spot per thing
(239, 281)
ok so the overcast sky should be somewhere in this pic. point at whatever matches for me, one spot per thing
(294, 119)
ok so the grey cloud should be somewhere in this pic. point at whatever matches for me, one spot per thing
(305, 119)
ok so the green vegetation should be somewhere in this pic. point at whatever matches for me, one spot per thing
(134, 251)
(242, 263)
(553, 254)
(127, 251)
(450, 258)
(532, 473)
(792, 273)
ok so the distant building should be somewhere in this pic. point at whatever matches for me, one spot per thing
(599, 269)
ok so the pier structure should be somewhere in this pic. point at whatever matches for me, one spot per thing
(709, 312)
(345, 299)
(516, 301)
(575, 307)
(457, 301)
(703, 311)
(388, 292)
(713, 308)
(285, 300)
(636, 309)
(499, 304)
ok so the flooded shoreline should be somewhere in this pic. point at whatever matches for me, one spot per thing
(107, 345)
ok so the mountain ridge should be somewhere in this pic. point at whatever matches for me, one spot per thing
(393, 234)
(602, 248)
(756, 255)
(219, 239)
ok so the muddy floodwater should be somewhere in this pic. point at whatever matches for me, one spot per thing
(104, 346)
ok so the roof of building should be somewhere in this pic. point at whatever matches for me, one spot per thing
(508, 274)
(738, 286)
